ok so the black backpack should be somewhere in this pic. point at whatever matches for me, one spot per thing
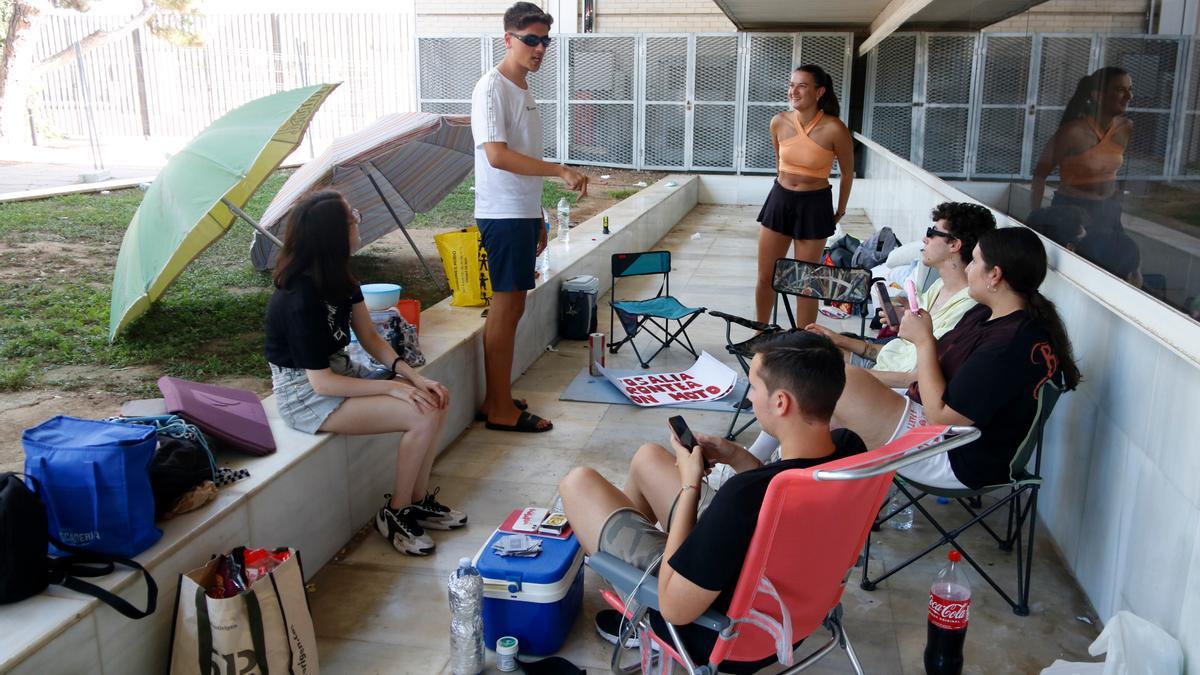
(178, 466)
(182, 459)
(26, 569)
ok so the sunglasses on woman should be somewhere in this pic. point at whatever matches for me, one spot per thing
(934, 232)
(531, 40)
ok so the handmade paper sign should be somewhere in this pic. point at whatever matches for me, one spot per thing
(706, 380)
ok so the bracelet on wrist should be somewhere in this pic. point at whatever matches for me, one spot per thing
(394, 362)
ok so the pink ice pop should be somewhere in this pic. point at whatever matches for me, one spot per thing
(911, 289)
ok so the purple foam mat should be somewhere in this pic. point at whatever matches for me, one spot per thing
(234, 416)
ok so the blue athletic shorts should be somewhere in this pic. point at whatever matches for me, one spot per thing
(511, 245)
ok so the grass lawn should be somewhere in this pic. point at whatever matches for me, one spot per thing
(57, 260)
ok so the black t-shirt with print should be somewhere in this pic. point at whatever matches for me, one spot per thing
(993, 369)
(303, 330)
(712, 554)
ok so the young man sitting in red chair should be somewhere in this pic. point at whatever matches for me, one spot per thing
(796, 379)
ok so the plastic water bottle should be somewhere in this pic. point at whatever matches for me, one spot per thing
(949, 610)
(904, 519)
(564, 220)
(466, 619)
(355, 350)
(543, 260)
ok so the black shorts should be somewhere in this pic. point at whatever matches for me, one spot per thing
(511, 245)
(1103, 215)
(799, 215)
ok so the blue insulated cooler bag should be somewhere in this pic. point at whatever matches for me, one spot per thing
(95, 483)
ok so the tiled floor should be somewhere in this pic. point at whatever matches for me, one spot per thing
(377, 611)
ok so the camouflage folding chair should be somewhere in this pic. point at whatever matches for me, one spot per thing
(802, 279)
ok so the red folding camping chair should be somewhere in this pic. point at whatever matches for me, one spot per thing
(811, 528)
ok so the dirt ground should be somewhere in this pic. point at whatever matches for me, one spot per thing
(90, 393)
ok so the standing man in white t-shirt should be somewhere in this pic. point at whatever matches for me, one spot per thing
(508, 201)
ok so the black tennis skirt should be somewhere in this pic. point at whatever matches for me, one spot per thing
(799, 215)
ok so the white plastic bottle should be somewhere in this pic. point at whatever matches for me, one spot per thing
(564, 220)
(466, 619)
(543, 260)
(904, 519)
(355, 350)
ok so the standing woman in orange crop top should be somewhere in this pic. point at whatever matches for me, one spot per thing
(799, 210)
(1089, 148)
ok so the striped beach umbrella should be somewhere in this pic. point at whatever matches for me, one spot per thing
(400, 165)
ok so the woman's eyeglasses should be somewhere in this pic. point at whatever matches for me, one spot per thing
(934, 232)
(531, 40)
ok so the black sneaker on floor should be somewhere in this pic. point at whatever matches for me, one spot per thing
(608, 626)
(400, 527)
(436, 516)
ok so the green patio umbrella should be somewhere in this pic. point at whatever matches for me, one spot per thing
(202, 189)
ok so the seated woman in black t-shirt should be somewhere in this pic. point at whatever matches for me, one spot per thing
(319, 388)
(985, 372)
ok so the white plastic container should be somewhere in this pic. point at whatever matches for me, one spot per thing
(506, 654)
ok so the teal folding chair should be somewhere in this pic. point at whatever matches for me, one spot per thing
(651, 316)
(1019, 494)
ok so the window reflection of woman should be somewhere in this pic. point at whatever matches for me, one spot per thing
(1089, 149)
(799, 210)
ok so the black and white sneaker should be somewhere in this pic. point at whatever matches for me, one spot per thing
(437, 516)
(609, 624)
(400, 527)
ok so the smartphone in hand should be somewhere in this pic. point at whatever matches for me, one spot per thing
(885, 301)
(682, 432)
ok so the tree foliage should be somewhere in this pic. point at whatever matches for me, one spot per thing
(170, 20)
(5, 16)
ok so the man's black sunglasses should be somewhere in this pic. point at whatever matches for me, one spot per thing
(531, 40)
(934, 232)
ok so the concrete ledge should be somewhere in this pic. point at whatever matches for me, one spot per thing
(316, 491)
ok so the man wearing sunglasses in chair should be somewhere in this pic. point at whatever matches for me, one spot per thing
(796, 379)
(508, 202)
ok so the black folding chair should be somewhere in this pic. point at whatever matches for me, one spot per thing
(1020, 498)
(652, 315)
(795, 278)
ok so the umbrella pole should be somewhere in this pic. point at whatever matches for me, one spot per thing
(436, 281)
(253, 223)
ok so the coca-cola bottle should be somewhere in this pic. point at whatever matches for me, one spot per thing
(949, 607)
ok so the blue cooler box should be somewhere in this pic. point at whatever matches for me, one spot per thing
(532, 599)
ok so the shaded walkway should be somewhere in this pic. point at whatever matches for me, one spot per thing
(378, 611)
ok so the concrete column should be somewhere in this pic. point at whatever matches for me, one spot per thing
(1178, 17)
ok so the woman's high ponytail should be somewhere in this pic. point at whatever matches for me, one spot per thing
(828, 103)
(1021, 257)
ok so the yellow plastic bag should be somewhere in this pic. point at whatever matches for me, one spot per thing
(465, 262)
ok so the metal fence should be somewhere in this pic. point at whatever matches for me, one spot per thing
(142, 86)
(678, 101)
(984, 105)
